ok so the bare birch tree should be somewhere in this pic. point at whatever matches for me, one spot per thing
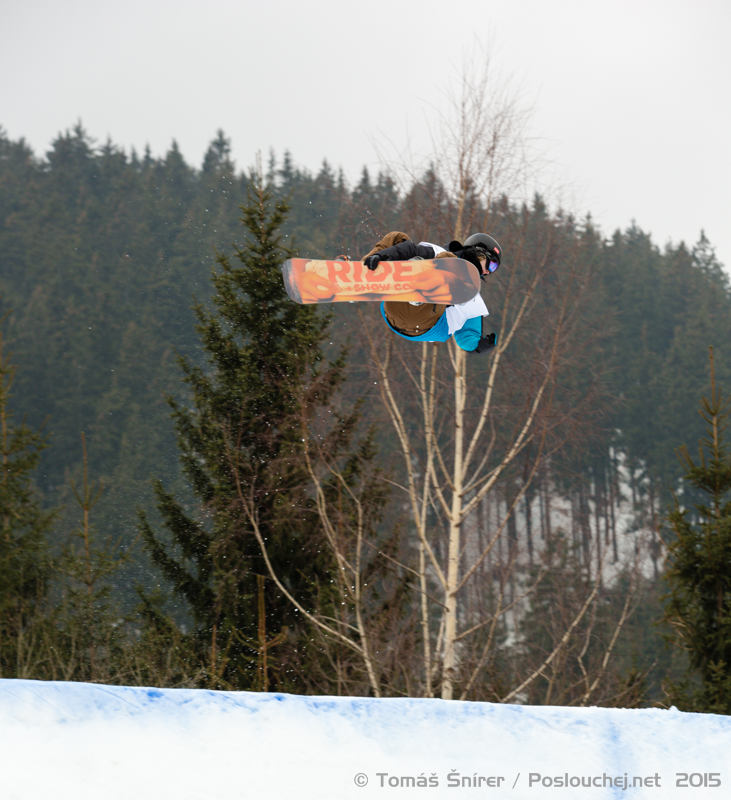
(481, 150)
(468, 429)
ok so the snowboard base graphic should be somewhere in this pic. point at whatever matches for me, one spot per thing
(442, 280)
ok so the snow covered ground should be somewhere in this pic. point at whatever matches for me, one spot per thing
(71, 740)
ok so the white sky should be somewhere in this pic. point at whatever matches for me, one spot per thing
(634, 98)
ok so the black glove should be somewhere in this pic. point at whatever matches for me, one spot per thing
(372, 261)
(486, 343)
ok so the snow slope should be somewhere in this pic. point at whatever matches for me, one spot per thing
(71, 740)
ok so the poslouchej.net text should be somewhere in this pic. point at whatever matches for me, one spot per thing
(457, 780)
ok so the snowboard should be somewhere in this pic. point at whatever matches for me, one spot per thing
(446, 281)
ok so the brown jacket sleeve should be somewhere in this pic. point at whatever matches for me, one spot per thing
(389, 240)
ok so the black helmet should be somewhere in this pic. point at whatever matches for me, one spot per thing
(476, 246)
(484, 242)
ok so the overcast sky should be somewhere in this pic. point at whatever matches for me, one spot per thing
(633, 99)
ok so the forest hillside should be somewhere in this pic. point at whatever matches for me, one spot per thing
(106, 255)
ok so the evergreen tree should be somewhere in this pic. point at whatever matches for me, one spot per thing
(698, 604)
(242, 435)
(89, 641)
(704, 256)
(24, 561)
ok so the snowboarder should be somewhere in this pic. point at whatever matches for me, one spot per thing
(435, 322)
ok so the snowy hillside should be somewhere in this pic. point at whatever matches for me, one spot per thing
(70, 740)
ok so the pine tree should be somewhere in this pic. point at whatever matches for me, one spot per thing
(704, 257)
(698, 604)
(24, 562)
(242, 432)
(89, 641)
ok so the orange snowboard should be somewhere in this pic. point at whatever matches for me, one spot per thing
(443, 280)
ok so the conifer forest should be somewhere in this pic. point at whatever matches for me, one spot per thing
(206, 485)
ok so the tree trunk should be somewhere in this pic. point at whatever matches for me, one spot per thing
(455, 529)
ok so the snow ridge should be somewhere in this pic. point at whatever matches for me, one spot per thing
(91, 741)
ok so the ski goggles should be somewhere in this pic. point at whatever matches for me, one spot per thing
(487, 268)
(491, 264)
